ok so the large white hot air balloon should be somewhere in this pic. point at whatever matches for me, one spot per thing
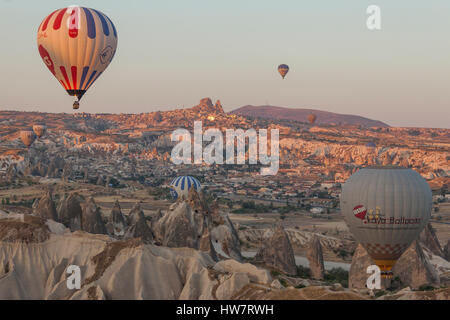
(77, 44)
(386, 208)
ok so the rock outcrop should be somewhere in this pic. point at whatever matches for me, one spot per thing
(138, 225)
(117, 221)
(106, 266)
(231, 284)
(205, 242)
(447, 251)
(100, 181)
(276, 251)
(178, 228)
(414, 270)
(254, 273)
(91, 220)
(357, 276)
(408, 294)
(193, 223)
(46, 208)
(70, 212)
(299, 239)
(225, 239)
(206, 106)
(315, 258)
(254, 292)
(22, 228)
(429, 239)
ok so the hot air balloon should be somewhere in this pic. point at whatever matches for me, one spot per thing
(386, 208)
(27, 137)
(283, 69)
(312, 118)
(39, 129)
(180, 186)
(77, 44)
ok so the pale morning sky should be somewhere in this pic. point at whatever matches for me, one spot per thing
(173, 53)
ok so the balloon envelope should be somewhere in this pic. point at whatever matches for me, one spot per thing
(312, 118)
(77, 44)
(180, 186)
(385, 209)
(39, 129)
(283, 69)
(27, 137)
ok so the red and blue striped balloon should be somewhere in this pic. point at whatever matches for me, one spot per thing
(77, 44)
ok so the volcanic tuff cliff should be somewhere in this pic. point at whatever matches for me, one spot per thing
(110, 269)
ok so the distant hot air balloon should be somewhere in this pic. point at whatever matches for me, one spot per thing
(312, 118)
(180, 186)
(386, 208)
(27, 137)
(77, 44)
(39, 129)
(283, 69)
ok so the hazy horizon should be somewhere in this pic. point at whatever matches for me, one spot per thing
(172, 54)
(174, 108)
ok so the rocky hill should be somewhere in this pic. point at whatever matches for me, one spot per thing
(323, 117)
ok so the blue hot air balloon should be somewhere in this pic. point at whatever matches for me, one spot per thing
(181, 185)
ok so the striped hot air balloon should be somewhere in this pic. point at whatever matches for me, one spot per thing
(283, 69)
(77, 44)
(27, 137)
(39, 129)
(312, 118)
(180, 186)
(386, 208)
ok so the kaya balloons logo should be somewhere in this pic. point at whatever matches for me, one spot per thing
(360, 211)
(368, 215)
(374, 216)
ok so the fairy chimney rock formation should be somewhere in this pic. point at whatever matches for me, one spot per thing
(138, 226)
(117, 220)
(357, 276)
(91, 218)
(70, 212)
(276, 251)
(315, 258)
(429, 239)
(46, 207)
(414, 270)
